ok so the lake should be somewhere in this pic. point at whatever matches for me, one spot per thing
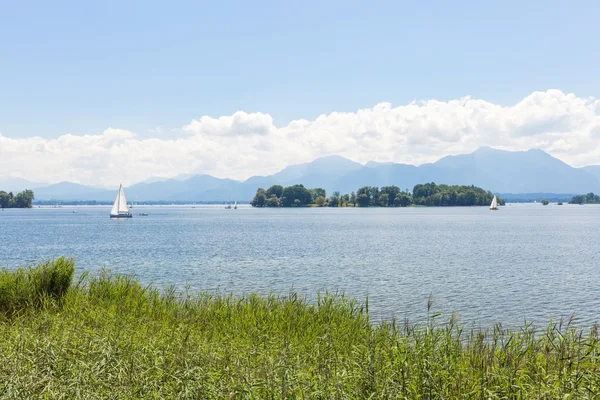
(524, 262)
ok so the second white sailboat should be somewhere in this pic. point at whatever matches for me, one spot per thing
(494, 205)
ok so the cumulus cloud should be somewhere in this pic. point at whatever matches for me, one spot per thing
(246, 144)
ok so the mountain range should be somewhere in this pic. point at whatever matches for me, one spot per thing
(531, 171)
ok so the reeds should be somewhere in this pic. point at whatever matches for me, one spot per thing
(110, 337)
(30, 287)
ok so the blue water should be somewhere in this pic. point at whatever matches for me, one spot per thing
(524, 262)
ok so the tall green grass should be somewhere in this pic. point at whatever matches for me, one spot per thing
(31, 287)
(110, 337)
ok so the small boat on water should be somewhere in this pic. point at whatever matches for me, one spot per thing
(144, 214)
(235, 205)
(119, 208)
(494, 205)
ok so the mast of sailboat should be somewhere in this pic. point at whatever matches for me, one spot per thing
(119, 198)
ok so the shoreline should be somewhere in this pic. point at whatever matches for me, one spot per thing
(109, 335)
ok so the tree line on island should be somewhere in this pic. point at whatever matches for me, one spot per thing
(589, 198)
(20, 200)
(427, 194)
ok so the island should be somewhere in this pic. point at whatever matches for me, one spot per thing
(427, 194)
(21, 200)
(589, 198)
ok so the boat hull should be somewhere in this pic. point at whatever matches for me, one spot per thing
(121, 215)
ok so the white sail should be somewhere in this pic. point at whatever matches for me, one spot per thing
(123, 209)
(115, 208)
(494, 204)
(120, 205)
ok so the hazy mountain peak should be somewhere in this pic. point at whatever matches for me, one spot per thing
(333, 160)
(374, 164)
(485, 149)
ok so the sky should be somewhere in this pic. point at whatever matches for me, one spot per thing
(98, 92)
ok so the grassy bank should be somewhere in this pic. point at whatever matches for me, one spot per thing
(110, 337)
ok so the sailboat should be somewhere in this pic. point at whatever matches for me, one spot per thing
(235, 205)
(494, 205)
(119, 208)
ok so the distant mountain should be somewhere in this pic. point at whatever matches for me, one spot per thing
(68, 191)
(16, 185)
(321, 172)
(181, 190)
(512, 172)
(532, 172)
(593, 170)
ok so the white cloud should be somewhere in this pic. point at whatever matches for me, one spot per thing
(246, 144)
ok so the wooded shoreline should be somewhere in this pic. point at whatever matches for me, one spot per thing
(428, 194)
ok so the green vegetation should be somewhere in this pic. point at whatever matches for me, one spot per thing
(428, 194)
(25, 288)
(545, 202)
(589, 198)
(108, 336)
(431, 194)
(21, 200)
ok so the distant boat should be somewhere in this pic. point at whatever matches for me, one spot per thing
(144, 214)
(119, 208)
(228, 207)
(235, 205)
(74, 211)
(494, 205)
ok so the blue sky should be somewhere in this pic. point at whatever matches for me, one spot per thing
(106, 92)
(81, 67)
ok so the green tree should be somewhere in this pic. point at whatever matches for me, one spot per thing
(363, 200)
(545, 202)
(293, 193)
(334, 201)
(275, 190)
(23, 199)
(316, 193)
(320, 201)
(4, 199)
(345, 199)
(403, 200)
(260, 199)
(367, 196)
(272, 201)
(589, 198)
(353, 199)
(430, 194)
(422, 191)
(363, 196)
(375, 196)
(384, 199)
(392, 192)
